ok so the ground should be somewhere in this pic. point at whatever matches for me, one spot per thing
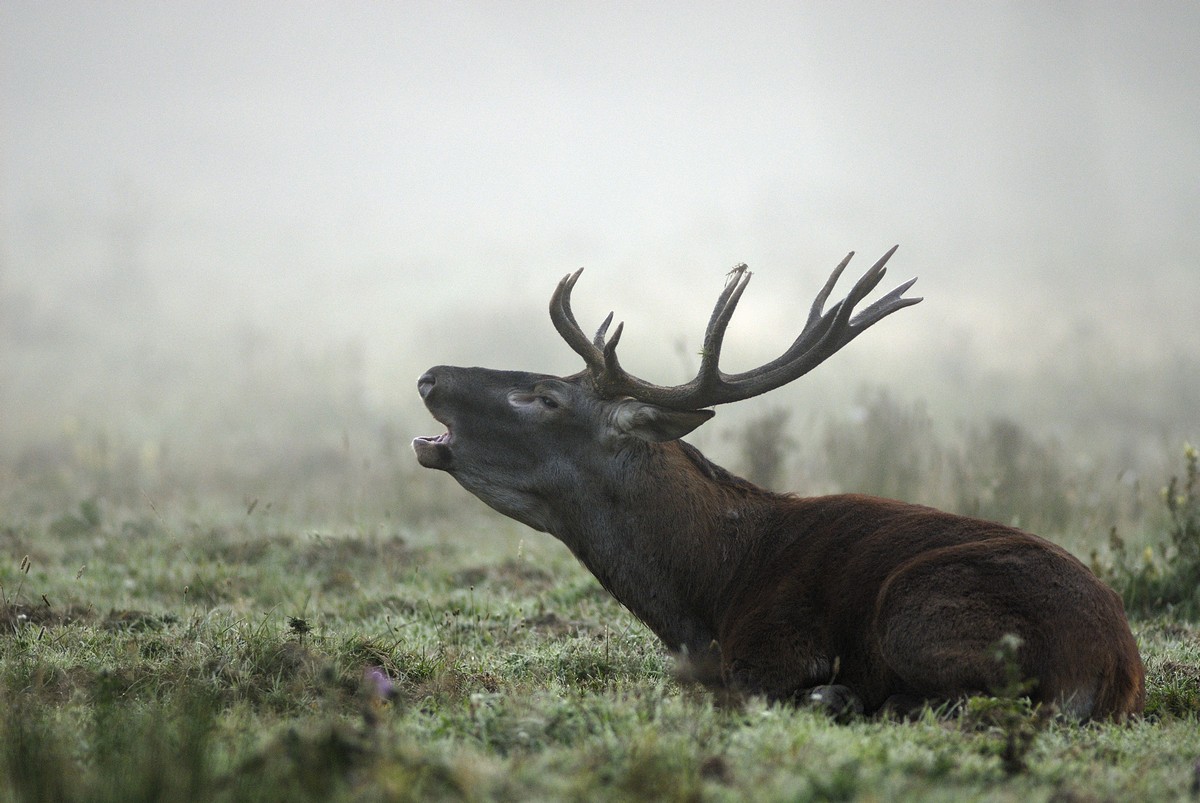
(193, 652)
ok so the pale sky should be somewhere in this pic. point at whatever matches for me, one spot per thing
(394, 173)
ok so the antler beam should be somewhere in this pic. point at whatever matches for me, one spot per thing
(824, 333)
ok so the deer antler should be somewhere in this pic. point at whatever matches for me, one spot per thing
(824, 333)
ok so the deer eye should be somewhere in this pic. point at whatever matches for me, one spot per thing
(548, 402)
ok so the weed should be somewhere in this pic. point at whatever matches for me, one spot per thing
(1183, 508)
(8, 606)
(1169, 578)
(1009, 711)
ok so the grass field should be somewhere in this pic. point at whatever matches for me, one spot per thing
(166, 647)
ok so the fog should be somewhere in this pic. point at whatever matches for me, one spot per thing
(229, 223)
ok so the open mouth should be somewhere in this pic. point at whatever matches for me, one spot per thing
(433, 451)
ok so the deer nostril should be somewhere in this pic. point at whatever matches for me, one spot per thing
(425, 383)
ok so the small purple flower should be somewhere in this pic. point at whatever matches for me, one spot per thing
(378, 683)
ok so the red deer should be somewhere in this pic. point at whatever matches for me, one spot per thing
(848, 602)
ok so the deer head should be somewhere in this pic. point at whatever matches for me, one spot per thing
(521, 440)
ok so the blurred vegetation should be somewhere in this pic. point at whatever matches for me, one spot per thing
(1164, 577)
(885, 448)
(994, 470)
(764, 447)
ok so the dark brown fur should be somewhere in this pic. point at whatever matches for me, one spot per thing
(850, 602)
(874, 601)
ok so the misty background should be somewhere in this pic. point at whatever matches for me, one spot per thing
(233, 234)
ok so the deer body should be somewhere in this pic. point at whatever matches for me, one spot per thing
(856, 602)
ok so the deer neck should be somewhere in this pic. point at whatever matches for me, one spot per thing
(664, 531)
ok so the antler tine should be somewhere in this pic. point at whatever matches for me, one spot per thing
(818, 305)
(870, 279)
(714, 334)
(611, 365)
(732, 280)
(564, 321)
(885, 306)
(598, 340)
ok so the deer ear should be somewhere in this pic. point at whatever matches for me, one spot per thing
(653, 423)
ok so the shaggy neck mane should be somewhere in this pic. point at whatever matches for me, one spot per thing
(714, 472)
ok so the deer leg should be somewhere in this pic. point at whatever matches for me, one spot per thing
(768, 655)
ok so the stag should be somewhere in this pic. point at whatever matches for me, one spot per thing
(848, 602)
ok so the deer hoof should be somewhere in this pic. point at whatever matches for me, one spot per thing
(836, 701)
